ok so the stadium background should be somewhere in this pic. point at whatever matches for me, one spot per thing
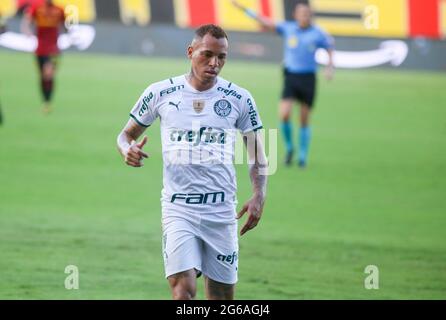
(398, 18)
(373, 195)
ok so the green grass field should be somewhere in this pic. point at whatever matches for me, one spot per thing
(374, 193)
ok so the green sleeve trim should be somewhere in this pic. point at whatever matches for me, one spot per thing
(252, 130)
(258, 128)
(138, 122)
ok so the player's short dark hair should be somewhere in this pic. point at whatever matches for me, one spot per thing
(212, 29)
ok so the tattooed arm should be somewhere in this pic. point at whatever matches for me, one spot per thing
(257, 173)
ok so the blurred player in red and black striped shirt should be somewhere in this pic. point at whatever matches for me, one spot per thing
(48, 20)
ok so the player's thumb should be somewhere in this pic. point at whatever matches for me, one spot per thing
(142, 142)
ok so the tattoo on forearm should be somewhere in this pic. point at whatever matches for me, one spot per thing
(258, 180)
(258, 167)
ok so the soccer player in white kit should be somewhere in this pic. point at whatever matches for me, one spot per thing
(199, 113)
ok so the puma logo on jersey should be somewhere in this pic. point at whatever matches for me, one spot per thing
(175, 105)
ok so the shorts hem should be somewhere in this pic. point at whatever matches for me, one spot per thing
(310, 105)
(171, 273)
(219, 279)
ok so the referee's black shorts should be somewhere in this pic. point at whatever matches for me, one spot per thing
(299, 86)
(42, 60)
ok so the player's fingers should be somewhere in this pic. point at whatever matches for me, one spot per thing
(244, 229)
(250, 224)
(136, 153)
(242, 211)
(135, 164)
(142, 142)
(143, 154)
(133, 157)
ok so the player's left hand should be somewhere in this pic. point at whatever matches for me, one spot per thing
(254, 207)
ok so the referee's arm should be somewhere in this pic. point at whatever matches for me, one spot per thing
(329, 69)
(266, 23)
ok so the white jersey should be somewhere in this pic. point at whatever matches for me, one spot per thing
(198, 131)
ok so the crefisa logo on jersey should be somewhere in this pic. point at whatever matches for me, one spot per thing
(229, 93)
(145, 104)
(252, 113)
(223, 108)
(205, 135)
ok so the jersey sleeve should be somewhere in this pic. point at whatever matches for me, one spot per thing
(325, 40)
(145, 112)
(249, 119)
(280, 28)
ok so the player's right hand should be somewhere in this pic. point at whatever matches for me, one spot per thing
(135, 155)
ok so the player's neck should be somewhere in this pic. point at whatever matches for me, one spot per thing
(198, 84)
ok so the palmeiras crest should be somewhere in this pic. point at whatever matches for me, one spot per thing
(223, 108)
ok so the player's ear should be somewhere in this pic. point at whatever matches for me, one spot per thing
(190, 51)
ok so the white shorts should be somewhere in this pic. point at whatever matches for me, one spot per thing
(192, 241)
